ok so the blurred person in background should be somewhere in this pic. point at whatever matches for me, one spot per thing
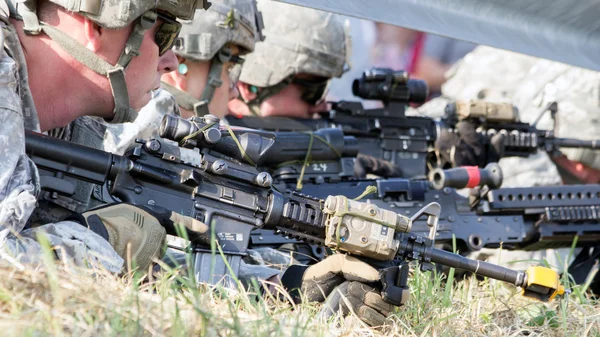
(438, 55)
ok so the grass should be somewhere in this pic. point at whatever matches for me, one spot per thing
(60, 300)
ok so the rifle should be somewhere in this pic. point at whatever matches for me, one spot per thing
(385, 133)
(233, 198)
(514, 218)
(521, 139)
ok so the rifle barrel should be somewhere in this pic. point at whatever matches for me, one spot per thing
(577, 143)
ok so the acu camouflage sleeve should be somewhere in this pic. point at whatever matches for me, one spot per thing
(19, 185)
(120, 137)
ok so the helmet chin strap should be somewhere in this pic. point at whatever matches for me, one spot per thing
(200, 106)
(187, 101)
(264, 93)
(115, 74)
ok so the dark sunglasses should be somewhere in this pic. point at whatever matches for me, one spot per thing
(166, 34)
(313, 91)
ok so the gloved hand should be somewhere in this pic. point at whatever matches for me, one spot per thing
(341, 280)
(138, 232)
(466, 147)
(365, 164)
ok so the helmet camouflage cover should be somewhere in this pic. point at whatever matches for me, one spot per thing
(120, 13)
(236, 22)
(297, 40)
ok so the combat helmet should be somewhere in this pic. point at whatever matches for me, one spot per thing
(226, 22)
(297, 40)
(113, 14)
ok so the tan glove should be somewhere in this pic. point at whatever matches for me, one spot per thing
(343, 283)
(137, 234)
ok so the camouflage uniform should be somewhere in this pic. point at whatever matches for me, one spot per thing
(529, 83)
(19, 180)
(119, 137)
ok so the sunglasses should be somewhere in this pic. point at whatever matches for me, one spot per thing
(166, 34)
(313, 91)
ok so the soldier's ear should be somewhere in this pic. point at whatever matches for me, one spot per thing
(93, 34)
(247, 91)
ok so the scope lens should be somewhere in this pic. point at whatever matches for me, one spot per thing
(419, 91)
(175, 128)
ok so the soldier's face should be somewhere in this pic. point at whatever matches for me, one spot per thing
(144, 72)
(88, 92)
(289, 102)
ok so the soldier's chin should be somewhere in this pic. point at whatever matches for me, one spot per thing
(143, 101)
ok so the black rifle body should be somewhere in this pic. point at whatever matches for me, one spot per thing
(513, 218)
(232, 201)
(385, 133)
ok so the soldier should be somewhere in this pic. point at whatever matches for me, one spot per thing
(84, 47)
(531, 83)
(209, 51)
(209, 54)
(288, 73)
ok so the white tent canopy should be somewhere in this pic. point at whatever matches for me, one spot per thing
(561, 30)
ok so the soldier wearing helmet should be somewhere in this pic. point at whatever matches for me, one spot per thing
(288, 73)
(100, 58)
(208, 50)
(209, 53)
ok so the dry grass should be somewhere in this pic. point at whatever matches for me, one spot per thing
(61, 300)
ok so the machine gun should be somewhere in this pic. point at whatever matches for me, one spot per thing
(385, 133)
(521, 139)
(529, 218)
(233, 198)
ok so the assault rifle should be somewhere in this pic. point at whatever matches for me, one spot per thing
(385, 133)
(233, 198)
(515, 218)
(521, 139)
